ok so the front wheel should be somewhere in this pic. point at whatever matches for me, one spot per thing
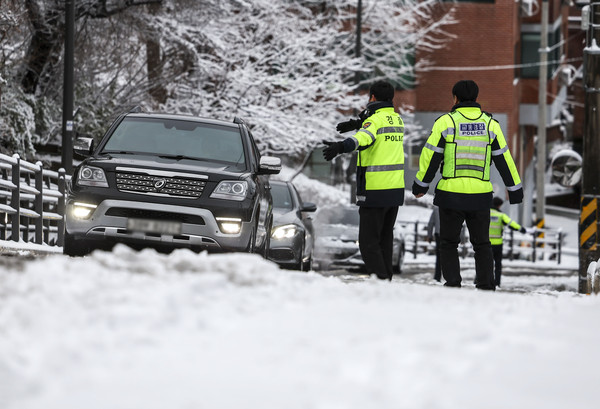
(75, 247)
(398, 266)
(308, 264)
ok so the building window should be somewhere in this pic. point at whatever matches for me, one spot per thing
(530, 45)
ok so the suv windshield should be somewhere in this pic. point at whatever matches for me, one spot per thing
(179, 139)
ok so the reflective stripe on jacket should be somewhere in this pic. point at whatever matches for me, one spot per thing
(380, 163)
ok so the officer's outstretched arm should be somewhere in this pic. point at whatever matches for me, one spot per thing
(506, 165)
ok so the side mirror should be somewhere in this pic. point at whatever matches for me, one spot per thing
(308, 207)
(269, 165)
(83, 146)
(566, 168)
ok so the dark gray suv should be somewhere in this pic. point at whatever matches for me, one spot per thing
(168, 181)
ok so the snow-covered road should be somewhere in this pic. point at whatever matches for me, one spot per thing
(127, 330)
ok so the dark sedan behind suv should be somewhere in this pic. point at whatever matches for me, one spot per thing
(168, 181)
(292, 238)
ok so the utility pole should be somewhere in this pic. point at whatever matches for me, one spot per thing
(67, 123)
(540, 200)
(589, 249)
(358, 36)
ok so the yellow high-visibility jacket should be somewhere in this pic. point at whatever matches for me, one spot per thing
(380, 163)
(464, 142)
(497, 222)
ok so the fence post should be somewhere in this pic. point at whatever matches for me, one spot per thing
(534, 247)
(15, 200)
(38, 205)
(512, 243)
(61, 207)
(416, 239)
(559, 245)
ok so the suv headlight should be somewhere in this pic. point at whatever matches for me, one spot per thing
(286, 231)
(92, 176)
(230, 190)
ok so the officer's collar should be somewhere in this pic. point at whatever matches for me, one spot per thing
(466, 104)
(375, 105)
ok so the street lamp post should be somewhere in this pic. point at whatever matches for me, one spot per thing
(541, 134)
(67, 123)
(589, 247)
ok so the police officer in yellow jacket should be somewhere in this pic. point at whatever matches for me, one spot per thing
(463, 143)
(497, 222)
(379, 175)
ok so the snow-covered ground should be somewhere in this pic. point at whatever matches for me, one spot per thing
(128, 330)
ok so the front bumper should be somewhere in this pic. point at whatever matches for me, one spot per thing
(199, 227)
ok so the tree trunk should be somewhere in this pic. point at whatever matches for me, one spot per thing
(46, 40)
(154, 61)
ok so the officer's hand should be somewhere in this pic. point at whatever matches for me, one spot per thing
(351, 125)
(332, 150)
(523, 230)
(515, 196)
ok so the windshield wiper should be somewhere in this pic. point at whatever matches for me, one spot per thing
(178, 157)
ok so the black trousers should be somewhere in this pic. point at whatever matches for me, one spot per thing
(478, 223)
(376, 239)
(497, 252)
(437, 276)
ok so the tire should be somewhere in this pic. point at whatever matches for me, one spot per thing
(308, 264)
(398, 266)
(75, 247)
(252, 242)
(267, 241)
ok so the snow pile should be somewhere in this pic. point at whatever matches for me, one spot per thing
(127, 330)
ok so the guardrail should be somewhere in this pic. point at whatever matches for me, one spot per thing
(32, 202)
(540, 244)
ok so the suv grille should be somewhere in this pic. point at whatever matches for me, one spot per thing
(172, 186)
(153, 214)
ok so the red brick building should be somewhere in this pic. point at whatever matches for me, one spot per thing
(496, 44)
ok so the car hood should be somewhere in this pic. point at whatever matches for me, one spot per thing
(284, 216)
(112, 161)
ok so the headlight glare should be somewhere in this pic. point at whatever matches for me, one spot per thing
(82, 210)
(229, 225)
(284, 232)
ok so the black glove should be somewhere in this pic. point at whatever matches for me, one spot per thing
(523, 230)
(515, 196)
(332, 150)
(418, 189)
(350, 125)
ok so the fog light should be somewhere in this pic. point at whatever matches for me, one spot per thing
(229, 225)
(82, 210)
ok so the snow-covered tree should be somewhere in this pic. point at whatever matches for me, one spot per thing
(288, 67)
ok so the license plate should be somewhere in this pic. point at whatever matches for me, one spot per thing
(154, 226)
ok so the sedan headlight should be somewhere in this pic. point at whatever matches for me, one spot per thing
(284, 232)
(92, 176)
(230, 190)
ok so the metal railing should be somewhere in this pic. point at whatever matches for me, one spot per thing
(32, 202)
(540, 244)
